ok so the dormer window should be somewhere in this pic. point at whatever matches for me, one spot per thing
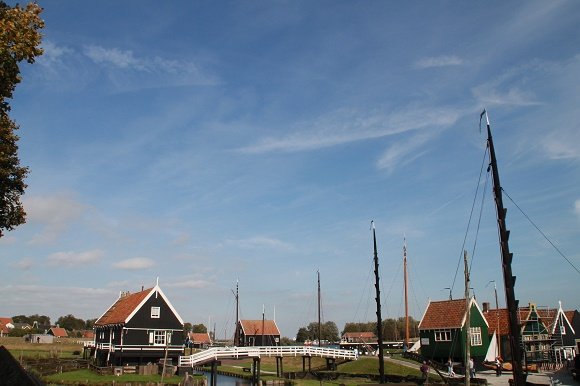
(155, 312)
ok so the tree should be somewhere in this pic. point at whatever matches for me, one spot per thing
(19, 40)
(71, 323)
(328, 331)
(198, 328)
(89, 323)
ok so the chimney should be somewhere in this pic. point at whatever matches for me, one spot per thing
(485, 306)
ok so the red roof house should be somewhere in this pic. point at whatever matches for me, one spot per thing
(258, 333)
(58, 332)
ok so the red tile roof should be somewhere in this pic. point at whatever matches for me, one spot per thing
(444, 314)
(200, 337)
(123, 307)
(58, 332)
(360, 335)
(498, 315)
(254, 327)
(5, 321)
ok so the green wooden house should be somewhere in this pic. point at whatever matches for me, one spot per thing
(443, 330)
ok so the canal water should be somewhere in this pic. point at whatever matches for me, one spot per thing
(224, 380)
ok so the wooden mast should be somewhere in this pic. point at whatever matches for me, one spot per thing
(379, 318)
(319, 319)
(467, 322)
(236, 332)
(406, 342)
(506, 259)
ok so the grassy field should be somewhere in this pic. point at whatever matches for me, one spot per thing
(65, 348)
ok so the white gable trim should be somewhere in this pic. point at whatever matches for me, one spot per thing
(154, 291)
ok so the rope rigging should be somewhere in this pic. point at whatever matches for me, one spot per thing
(470, 217)
(540, 231)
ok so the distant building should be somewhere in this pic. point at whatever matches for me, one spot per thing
(6, 324)
(258, 333)
(138, 328)
(199, 340)
(548, 334)
(58, 332)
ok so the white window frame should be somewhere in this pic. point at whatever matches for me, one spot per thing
(155, 312)
(442, 335)
(475, 335)
(158, 337)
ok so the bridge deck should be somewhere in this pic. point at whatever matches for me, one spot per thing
(217, 353)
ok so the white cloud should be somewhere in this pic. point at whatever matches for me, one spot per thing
(114, 56)
(439, 61)
(23, 264)
(53, 53)
(260, 242)
(158, 70)
(346, 126)
(55, 213)
(404, 152)
(135, 263)
(190, 283)
(75, 258)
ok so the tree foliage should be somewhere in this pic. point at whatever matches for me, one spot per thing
(393, 329)
(19, 40)
(328, 332)
(71, 323)
(41, 320)
(198, 328)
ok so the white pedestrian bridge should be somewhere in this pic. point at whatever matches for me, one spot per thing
(217, 353)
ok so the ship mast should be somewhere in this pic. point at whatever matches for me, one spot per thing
(319, 319)
(406, 342)
(379, 318)
(506, 259)
(467, 322)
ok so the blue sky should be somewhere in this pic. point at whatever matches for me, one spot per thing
(207, 142)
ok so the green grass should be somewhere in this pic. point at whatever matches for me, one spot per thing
(90, 377)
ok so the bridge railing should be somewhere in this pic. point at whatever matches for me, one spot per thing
(217, 353)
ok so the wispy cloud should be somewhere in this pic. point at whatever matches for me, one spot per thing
(346, 126)
(135, 263)
(404, 152)
(189, 283)
(23, 264)
(55, 213)
(53, 53)
(75, 258)
(439, 61)
(260, 242)
(156, 68)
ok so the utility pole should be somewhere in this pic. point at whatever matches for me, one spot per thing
(406, 342)
(319, 313)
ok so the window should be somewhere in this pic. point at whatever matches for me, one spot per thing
(155, 312)
(442, 335)
(475, 333)
(157, 338)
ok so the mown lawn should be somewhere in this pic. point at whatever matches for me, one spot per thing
(90, 377)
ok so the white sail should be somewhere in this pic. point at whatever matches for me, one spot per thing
(416, 346)
(492, 351)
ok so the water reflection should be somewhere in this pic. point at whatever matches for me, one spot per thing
(223, 380)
